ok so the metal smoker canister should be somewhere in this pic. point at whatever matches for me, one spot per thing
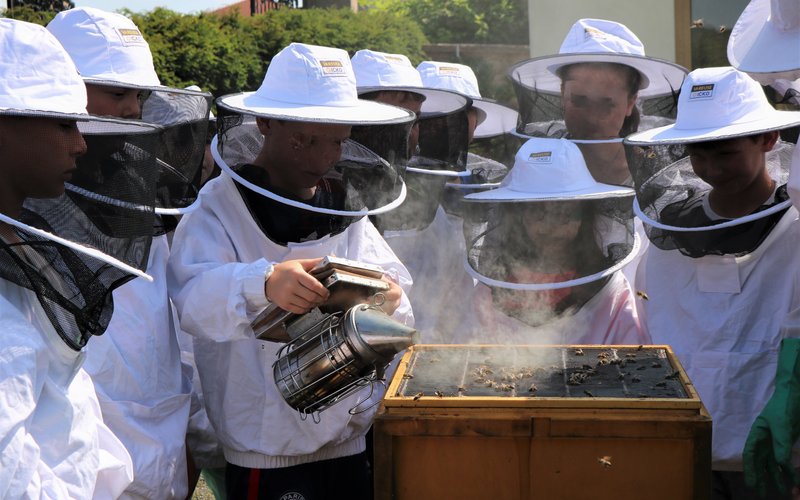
(337, 355)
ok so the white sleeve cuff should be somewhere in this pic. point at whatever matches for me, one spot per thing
(253, 281)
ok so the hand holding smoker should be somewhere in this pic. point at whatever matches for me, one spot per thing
(338, 348)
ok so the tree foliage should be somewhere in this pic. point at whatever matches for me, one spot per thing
(41, 5)
(30, 14)
(463, 21)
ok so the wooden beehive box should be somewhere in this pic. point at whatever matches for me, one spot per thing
(541, 422)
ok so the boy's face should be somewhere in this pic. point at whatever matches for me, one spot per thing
(39, 155)
(304, 152)
(732, 166)
(553, 224)
(472, 123)
(596, 102)
(119, 102)
(408, 101)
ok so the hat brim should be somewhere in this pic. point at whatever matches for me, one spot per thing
(507, 195)
(89, 124)
(437, 102)
(363, 113)
(757, 45)
(104, 82)
(499, 119)
(78, 247)
(670, 134)
(660, 77)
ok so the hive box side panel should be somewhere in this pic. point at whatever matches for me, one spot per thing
(452, 457)
(622, 469)
(471, 468)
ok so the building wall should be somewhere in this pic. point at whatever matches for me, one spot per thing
(653, 21)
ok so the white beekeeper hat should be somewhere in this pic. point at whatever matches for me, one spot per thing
(493, 118)
(107, 47)
(310, 83)
(378, 71)
(38, 77)
(597, 40)
(765, 42)
(549, 170)
(553, 170)
(717, 104)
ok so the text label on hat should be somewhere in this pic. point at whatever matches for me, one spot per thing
(702, 91)
(131, 36)
(449, 70)
(542, 157)
(333, 68)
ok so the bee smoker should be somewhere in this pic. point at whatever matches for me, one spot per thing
(332, 355)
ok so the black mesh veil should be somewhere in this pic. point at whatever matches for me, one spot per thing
(672, 201)
(184, 116)
(590, 119)
(543, 258)
(391, 143)
(74, 249)
(483, 173)
(441, 155)
(361, 183)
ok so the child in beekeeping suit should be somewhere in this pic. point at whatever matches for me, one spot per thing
(276, 209)
(55, 282)
(144, 389)
(546, 248)
(721, 273)
(764, 44)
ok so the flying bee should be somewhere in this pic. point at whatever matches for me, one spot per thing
(723, 29)
(578, 352)
(655, 364)
(418, 395)
(439, 394)
(533, 388)
(588, 393)
(605, 461)
(407, 376)
(697, 23)
(642, 294)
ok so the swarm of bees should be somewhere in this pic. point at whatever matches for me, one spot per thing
(577, 378)
(505, 381)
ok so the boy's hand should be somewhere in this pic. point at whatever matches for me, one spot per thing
(392, 297)
(293, 289)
